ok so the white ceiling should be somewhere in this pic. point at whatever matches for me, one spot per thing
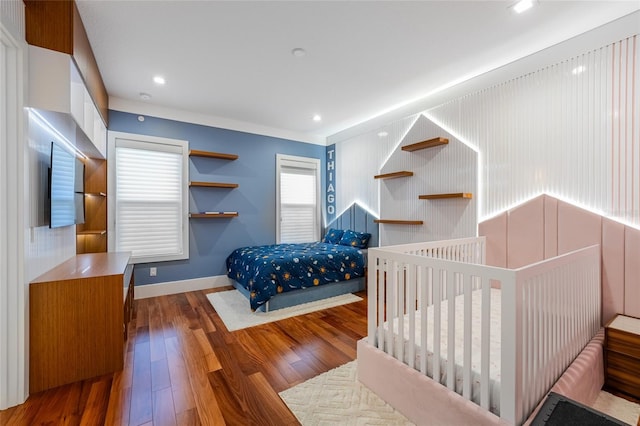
(232, 59)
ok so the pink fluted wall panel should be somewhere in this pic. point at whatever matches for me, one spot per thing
(550, 227)
(495, 229)
(525, 233)
(577, 228)
(612, 269)
(632, 272)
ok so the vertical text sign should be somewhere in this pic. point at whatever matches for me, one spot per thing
(330, 191)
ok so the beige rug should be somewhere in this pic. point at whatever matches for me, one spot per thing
(619, 408)
(336, 397)
(234, 310)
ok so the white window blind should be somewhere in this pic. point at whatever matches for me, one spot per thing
(150, 215)
(298, 199)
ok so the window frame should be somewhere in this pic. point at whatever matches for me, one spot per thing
(304, 163)
(183, 147)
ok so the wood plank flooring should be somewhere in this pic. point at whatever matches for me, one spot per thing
(182, 367)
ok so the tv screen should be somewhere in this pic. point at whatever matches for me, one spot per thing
(66, 188)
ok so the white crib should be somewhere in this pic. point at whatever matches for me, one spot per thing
(548, 312)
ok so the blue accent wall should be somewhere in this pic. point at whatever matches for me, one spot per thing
(211, 240)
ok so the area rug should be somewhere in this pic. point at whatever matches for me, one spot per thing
(233, 308)
(621, 409)
(336, 397)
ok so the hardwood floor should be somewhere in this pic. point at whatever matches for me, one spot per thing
(182, 367)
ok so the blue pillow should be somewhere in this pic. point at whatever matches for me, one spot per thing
(333, 236)
(355, 239)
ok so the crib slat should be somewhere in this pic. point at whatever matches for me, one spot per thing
(451, 330)
(485, 343)
(382, 279)
(437, 276)
(391, 304)
(399, 272)
(466, 375)
(389, 283)
(411, 308)
(373, 281)
(425, 290)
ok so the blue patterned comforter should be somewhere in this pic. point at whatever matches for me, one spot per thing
(268, 270)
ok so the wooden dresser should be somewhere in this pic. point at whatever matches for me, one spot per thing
(622, 355)
(79, 313)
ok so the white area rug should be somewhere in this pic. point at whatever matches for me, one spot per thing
(336, 397)
(235, 312)
(617, 407)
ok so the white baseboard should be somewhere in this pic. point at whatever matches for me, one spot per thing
(173, 287)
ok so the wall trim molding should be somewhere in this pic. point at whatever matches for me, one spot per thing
(182, 286)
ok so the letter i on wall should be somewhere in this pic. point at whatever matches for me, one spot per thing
(330, 189)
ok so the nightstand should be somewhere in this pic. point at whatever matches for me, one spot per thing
(622, 355)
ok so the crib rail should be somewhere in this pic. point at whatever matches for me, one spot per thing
(552, 307)
(467, 250)
(557, 312)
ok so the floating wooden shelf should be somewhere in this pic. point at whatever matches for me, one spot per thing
(439, 196)
(213, 184)
(92, 232)
(425, 144)
(393, 175)
(207, 154)
(212, 215)
(399, 222)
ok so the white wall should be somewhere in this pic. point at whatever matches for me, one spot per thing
(570, 130)
(574, 135)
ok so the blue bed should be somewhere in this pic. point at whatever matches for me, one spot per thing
(320, 269)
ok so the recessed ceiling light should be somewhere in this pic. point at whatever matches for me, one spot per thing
(145, 96)
(299, 52)
(383, 134)
(159, 80)
(317, 118)
(522, 5)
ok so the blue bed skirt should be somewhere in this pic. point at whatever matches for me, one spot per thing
(311, 294)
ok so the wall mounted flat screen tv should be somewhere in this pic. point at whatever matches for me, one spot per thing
(66, 188)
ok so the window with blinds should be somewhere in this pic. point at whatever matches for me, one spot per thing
(148, 198)
(298, 199)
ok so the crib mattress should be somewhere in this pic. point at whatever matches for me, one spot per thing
(494, 339)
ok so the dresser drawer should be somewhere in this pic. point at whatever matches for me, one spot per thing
(623, 342)
(623, 367)
(623, 381)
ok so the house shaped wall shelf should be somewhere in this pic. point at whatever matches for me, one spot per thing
(440, 164)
